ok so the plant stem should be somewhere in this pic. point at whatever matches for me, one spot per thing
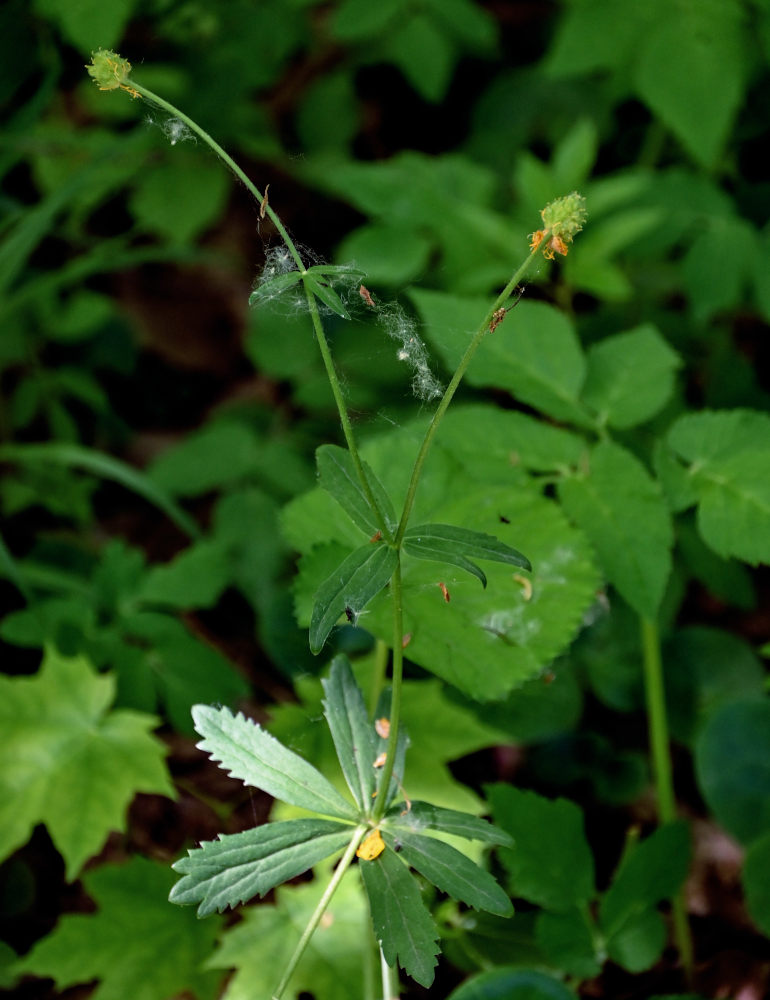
(389, 980)
(377, 682)
(395, 699)
(324, 901)
(450, 390)
(312, 305)
(662, 771)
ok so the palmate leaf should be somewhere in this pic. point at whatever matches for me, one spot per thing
(352, 585)
(238, 866)
(337, 475)
(402, 923)
(247, 752)
(355, 739)
(448, 543)
(449, 870)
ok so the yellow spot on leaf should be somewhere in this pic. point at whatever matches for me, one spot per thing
(371, 847)
(382, 728)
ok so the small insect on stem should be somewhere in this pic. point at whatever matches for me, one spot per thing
(499, 314)
(350, 615)
(366, 295)
(376, 536)
(443, 588)
(263, 203)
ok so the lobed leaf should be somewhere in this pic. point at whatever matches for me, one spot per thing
(238, 866)
(337, 475)
(352, 585)
(402, 923)
(246, 751)
(449, 870)
(353, 733)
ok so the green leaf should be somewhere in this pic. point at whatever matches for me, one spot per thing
(640, 942)
(352, 585)
(391, 255)
(729, 468)
(535, 354)
(551, 863)
(402, 923)
(135, 944)
(193, 579)
(76, 456)
(349, 272)
(89, 26)
(652, 871)
(449, 870)
(260, 946)
(337, 475)
(247, 752)
(239, 866)
(622, 511)
(180, 197)
(426, 816)
(567, 940)
(630, 377)
(674, 71)
(512, 984)
(448, 543)
(732, 762)
(326, 294)
(273, 287)
(353, 733)
(423, 53)
(756, 882)
(67, 761)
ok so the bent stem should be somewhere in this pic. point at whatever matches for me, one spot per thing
(662, 772)
(347, 429)
(320, 909)
(450, 390)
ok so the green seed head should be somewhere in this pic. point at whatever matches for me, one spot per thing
(565, 216)
(110, 71)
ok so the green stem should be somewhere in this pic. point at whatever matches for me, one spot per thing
(320, 909)
(377, 682)
(316, 319)
(662, 772)
(450, 390)
(395, 700)
(389, 979)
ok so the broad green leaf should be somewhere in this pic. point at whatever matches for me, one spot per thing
(652, 871)
(273, 287)
(622, 511)
(390, 254)
(630, 377)
(67, 761)
(716, 281)
(337, 475)
(732, 762)
(729, 468)
(221, 453)
(193, 579)
(449, 870)
(756, 882)
(551, 863)
(180, 197)
(356, 21)
(238, 866)
(247, 752)
(135, 944)
(512, 984)
(326, 294)
(352, 585)
(426, 816)
(535, 354)
(353, 732)
(78, 457)
(639, 943)
(402, 923)
(567, 939)
(673, 71)
(89, 26)
(704, 668)
(260, 946)
(423, 52)
(448, 543)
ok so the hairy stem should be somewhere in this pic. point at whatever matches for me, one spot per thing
(320, 909)
(662, 771)
(450, 390)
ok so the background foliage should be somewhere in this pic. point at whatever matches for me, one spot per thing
(157, 442)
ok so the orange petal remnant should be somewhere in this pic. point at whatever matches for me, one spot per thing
(443, 588)
(382, 728)
(371, 846)
(366, 295)
(526, 585)
(380, 762)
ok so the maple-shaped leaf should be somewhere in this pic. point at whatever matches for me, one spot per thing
(67, 761)
(135, 944)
